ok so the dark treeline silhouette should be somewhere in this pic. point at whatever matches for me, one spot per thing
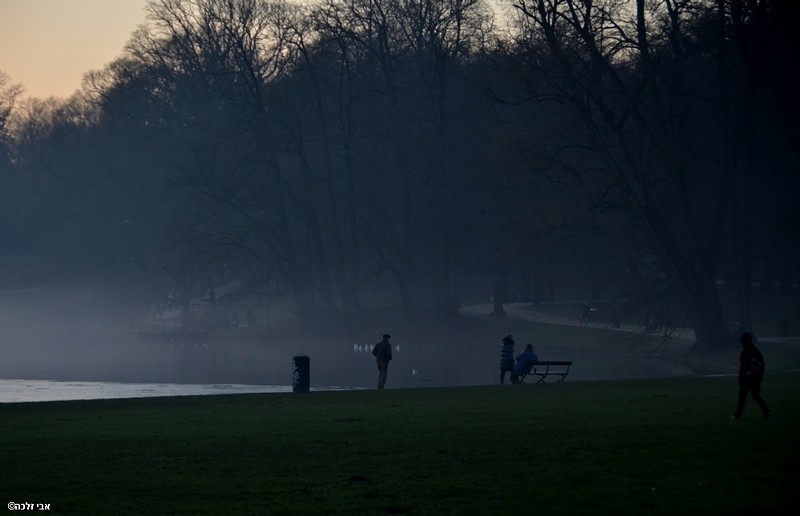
(335, 149)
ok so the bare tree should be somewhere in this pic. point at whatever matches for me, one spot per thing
(410, 56)
(634, 72)
(237, 178)
(9, 96)
(9, 185)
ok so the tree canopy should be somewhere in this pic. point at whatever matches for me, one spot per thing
(348, 151)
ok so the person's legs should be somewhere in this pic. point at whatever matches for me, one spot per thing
(756, 392)
(383, 371)
(743, 388)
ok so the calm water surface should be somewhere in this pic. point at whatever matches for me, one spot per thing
(14, 391)
(144, 369)
(58, 345)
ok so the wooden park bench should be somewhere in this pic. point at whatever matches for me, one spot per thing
(545, 369)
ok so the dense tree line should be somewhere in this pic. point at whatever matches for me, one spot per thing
(327, 148)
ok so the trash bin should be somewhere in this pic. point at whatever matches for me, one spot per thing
(301, 373)
(785, 329)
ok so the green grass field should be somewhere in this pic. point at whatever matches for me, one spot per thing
(655, 446)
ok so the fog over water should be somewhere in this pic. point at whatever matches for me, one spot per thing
(404, 160)
(63, 336)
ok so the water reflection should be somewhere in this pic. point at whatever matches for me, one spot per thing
(12, 391)
(62, 336)
(204, 364)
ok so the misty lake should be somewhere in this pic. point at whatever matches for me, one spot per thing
(61, 346)
(131, 367)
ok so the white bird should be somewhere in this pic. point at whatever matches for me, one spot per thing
(397, 348)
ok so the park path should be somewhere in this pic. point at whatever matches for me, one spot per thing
(678, 337)
(682, 338)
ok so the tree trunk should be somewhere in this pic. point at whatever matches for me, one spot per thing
(447, 303)
(500, 291)
(706, 315)
(530, 287)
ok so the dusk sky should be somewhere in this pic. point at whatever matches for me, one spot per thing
(47, 45)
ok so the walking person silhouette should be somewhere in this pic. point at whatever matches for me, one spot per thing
(751, 374)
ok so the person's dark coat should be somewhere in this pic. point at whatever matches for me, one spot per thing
(382, 351)
(507, 354)
(751, 365)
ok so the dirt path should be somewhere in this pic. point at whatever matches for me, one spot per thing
(682, 338)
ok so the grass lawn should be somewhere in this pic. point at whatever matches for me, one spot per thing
(655, 446)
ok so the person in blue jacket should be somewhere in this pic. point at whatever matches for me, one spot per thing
(525, 361)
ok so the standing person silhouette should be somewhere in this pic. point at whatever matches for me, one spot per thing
(506, 357)
(751, 373)
(586, 312)
(383, 355)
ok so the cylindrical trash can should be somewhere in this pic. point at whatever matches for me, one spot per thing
(301, 373)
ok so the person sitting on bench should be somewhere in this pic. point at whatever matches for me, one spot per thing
(525, 361)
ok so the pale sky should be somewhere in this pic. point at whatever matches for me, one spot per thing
(47, 45)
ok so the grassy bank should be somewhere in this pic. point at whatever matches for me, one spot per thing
(633, 447)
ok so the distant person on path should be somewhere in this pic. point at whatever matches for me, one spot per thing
(525, 361)
(506, 357)
(616, 317)
(586, 312)
(751, 373)
(383, 355)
